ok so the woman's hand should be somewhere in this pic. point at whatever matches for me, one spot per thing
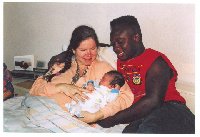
(72, 91)
(91, 117)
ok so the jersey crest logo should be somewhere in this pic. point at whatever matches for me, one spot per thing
(137, 79)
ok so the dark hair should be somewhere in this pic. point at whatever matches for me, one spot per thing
(118, 78)
(79, 34)
(128, 22)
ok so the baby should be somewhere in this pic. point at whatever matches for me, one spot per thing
(106, 91)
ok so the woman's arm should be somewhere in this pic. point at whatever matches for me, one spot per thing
(42, 87)
(59, 84)
(124, 100)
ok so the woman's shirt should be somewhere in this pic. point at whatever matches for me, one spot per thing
(95, 71)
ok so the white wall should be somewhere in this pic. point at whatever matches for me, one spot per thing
(42, 28)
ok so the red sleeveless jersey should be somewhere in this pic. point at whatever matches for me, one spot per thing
(134, 71)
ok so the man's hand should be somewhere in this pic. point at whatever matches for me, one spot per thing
(107, 122)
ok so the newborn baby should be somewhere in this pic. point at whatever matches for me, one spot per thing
(107, 91)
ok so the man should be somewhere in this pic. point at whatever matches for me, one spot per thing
(158, 106)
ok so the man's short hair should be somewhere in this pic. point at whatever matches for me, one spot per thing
(130, 22)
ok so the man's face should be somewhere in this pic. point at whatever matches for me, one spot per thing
(123, 44)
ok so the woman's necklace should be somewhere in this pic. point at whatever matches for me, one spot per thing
(77, 76)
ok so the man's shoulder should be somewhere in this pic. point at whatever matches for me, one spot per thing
(150, 50)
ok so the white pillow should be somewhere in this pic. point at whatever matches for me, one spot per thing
(107, 54)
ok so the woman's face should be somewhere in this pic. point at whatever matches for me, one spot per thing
(86, 52)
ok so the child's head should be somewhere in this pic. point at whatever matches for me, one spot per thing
(111, 78)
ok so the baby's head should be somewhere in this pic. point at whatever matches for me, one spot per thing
(111, 78)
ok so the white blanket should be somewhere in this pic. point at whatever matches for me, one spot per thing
(40, 114)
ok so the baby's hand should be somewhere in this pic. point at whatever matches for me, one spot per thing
(90, 86)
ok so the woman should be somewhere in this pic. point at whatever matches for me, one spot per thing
(68, 85)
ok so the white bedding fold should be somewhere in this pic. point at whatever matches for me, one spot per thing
(40, 114)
